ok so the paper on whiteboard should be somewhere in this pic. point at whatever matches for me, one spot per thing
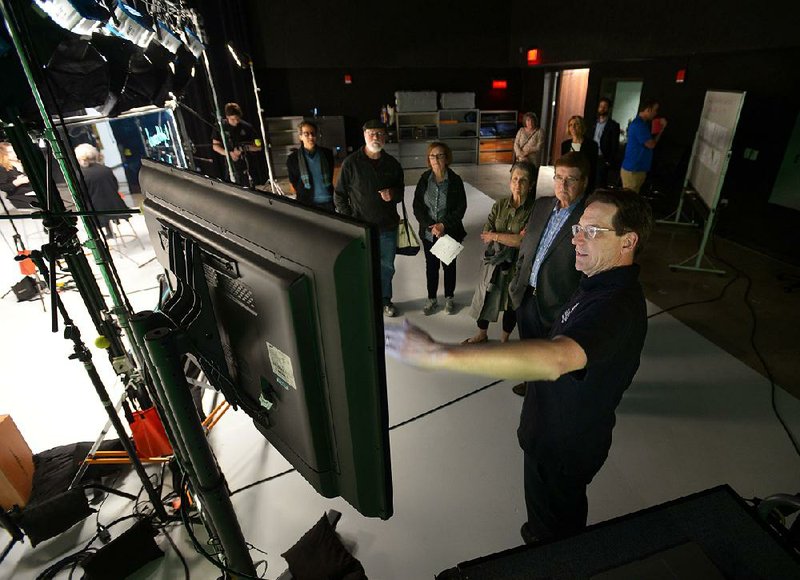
(446, 249)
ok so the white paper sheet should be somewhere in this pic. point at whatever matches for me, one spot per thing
(446, 249)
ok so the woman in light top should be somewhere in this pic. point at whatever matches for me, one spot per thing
(440, 203)
(528, 142)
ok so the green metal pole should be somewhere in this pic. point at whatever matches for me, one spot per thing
(210, 484)
(141, 324)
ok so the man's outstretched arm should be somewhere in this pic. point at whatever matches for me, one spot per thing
(527, 360)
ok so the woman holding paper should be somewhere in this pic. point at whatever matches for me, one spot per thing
(502, 235)
(439, 206)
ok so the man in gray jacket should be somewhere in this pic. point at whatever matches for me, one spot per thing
(545, 274)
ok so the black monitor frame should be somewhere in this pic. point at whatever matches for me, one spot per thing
(281, 303)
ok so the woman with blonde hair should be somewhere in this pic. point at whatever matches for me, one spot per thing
(580, 143)
(101, 185)
(13, 182)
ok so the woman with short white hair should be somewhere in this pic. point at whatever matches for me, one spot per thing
(101, 186)
(87, 154)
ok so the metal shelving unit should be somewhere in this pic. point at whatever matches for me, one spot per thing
(282, 137)
(497, 132)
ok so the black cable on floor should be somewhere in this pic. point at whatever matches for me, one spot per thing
(197, 546)
(444, 405)
(692, 303)
(265, 480)
(392, 428)
(178, 552)
(741, 274)
(753, 330)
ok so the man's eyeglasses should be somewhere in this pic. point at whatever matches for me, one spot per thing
(566, 180)
(589, 231)
(437, 156)
(371, 134)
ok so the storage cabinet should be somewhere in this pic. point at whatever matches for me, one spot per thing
(456, 127)
(415, 126)
(282, 136)
(331, 135)
(497, 132)
(414, 132)
(459, 129)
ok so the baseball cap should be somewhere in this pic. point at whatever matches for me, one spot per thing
(374, 124)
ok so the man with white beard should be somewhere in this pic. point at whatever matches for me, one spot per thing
(369, 188)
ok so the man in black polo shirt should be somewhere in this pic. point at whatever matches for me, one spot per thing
(576, 376)
(370, 186)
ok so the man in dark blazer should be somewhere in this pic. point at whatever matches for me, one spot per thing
(545, 275)
(605, 133)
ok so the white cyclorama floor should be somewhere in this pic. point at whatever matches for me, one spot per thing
(695, 417)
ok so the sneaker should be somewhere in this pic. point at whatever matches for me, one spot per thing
(449, 306)
(430, 306)
(389, 310)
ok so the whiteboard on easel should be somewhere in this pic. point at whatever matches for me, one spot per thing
(713, 143)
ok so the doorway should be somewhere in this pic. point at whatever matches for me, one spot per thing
(627, 95)
(572, 85)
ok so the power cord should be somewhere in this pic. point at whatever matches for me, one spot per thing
(163, 531)
(753, 330)
(749, 283)
(392, 428)
(198, 547)
(695, 302)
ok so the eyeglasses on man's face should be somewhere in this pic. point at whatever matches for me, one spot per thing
(589, 231)
(373, 134)
(568, 181)
(437, 156)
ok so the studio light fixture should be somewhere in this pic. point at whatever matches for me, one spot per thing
(167, 38)
(131, 24)
(192, 42)
(79, 16)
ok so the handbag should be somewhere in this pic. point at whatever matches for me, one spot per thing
(407, 242)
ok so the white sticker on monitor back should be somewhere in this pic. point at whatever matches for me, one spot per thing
(281, 366)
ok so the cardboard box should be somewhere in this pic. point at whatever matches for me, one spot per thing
(16, 466)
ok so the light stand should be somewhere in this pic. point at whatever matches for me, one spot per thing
(273, 184)
(218, 115)
(83, 354)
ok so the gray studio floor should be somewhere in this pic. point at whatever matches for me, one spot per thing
(695, 417)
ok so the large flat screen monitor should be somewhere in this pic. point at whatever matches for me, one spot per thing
(285, 319)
